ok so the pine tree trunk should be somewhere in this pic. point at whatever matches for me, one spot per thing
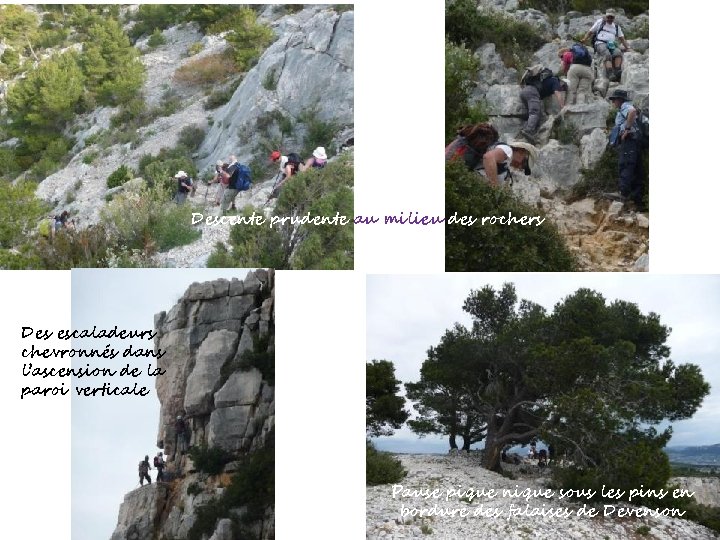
(453, 443)
(493, 451)
(466, 443)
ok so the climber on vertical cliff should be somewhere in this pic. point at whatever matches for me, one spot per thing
(182, 435)
(626, 138)
(537, 84)
(143, 470)
(606, 35)
(577, 62)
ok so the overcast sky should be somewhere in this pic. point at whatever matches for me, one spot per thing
(110, 435)
(408, 314)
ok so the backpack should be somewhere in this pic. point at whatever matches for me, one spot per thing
(581, 55)
(156, 462)
(143, 467)
(244, 180)
(534, 76)
(294, 161)
(642, 122)
(471, 143)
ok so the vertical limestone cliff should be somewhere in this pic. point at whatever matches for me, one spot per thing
(219, 375)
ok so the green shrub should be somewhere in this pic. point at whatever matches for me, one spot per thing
(623, 462)
(12, 260)
(321, 192)
(262, 357)
(90, 157)
(119, 176)
(381, 467)
(247, 37)
(194, 489)
(709, 516)
(20, 212)
(210, 460)
(195, 48)
(497, 248)
(319, 132)
(150, 17)
(160, 169)
(86, 248)
(461, 70)
(252, 487)
(191, 137)
(514, 41)
(9, 167)
(218, 98)
(270, 81)
(149, 220)
(156, 39)
(603, 177)
(631, 7)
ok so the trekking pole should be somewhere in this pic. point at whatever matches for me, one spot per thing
(276, 178)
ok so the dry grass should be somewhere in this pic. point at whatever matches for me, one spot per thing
(207, 70)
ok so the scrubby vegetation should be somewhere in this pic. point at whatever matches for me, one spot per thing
(321, 192)
(514, 40)
(631, 7)
(492, 248)
(461, 69)
(381, 467)
(210, 460)
(252, 487)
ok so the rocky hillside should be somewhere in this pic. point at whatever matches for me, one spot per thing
(384, 518)
(219, 373)
(603, 234)
(297, 95)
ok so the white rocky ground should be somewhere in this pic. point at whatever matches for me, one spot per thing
(453, 472)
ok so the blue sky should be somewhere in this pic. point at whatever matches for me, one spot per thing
(408, 314)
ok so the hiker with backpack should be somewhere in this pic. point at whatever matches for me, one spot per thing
(606, 37)
(478, 146)
(185, 186)
(317, 160)
(577, 64)
(293, 166)
(537, 83)
(159, 464)
(144, 469)
(239, 179)
(626, 137)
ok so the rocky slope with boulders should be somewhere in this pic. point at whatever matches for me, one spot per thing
(460, 472)
(604, 235)
(228, 404)
(307, 71)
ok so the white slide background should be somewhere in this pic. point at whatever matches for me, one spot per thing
(321, 315)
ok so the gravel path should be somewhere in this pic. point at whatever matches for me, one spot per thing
(442, 473)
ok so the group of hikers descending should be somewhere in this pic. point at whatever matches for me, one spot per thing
(479, 145)
(182, 442)
(233, 177)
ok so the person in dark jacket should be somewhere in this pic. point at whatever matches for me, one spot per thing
(532, 96)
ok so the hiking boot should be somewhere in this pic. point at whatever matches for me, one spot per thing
(615, 196)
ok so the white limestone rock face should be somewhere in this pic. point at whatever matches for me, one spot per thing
(592, 147)
(312, 62)
(216, 349)
(138, 511)
(560, 163)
